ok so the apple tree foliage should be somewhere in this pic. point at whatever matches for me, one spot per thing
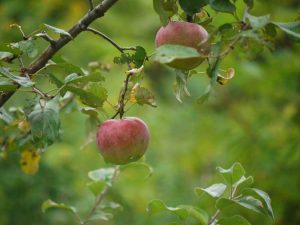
(34, 125)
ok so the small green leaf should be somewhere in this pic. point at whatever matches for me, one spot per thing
(58, 31)
(192, 6)
(199, 214)
(251, 203)
(258, 22)
(5, 55)
(292, 29)
(263, 196)
(215, 190)
(63, 68)
(222, 6)
(234, 220)
(51, 204)
(45, 125)
(27, 47)
(165, 9)
(233, 174)
(103, 174)
(96, 187)
(7, 86)
(242, 183)
(74, 78)
(157, 205)
(168, 53)
(93, 95)
(100, 215)
(140, 164)
(139, 56)
(110, 205)
(23, 81)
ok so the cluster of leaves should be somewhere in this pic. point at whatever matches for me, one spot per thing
(236, 191)
(250, 34)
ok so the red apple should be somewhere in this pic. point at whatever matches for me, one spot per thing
(185, 34)
(122, 141)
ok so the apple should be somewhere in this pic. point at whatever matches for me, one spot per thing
(121, 141)
(185, 34)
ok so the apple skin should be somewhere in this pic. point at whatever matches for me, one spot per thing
(121, 141)
(185, 34)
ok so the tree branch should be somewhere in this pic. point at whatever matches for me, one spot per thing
(49, 52)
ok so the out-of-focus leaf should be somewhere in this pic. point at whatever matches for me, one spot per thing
(168, 53)
(63, 68)
(140, 164)
(100, 215)
(51, 204)
(103, 174)
(110, 205)
(258, 22)
(215, 190)
(233, 174)
(247, 202)
(45, 124)
(263, 196)
(225, 77)
(27, 47)
(222, 6)
(292, 29)
(30, 162)
(242, 183)
(157, 205)
(96, 187)
(5, 55)
(58, 31)
(7, 86)
(93, 95)
(165, 9)
(249, 3)
(192, 6)
(234, 220)
(180, 86)
(23, 81)
(141, 96)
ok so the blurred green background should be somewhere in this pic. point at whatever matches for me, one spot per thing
(255, 120)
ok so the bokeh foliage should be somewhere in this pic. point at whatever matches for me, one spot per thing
(254, 120)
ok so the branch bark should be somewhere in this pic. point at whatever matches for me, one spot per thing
(49, 52)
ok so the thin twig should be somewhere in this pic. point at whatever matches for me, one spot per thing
(121, 49)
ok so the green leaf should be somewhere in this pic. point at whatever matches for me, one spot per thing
(51, 204)
(258, 22)
(234, 220)
(140, 164)
(58, 31)
(157, 205)
(192, 6)
(93, 95)
(242, 183)
(263, 196)
(215, 190)
(139, 56)
(5, 55)
(45, 125)
(7, 86)
(27, 47)
(63, 68)
(110, 205)
(222, 6)
(168, 53)
(96, 187)
(23, 81)
(165, 9)
(74, 78)
(247, 202)
(100, 215)
(199, 214)
(103, 174)
(233, 174)
(292, 29)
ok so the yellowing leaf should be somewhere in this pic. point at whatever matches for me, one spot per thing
(30, 162)
(228, 75)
